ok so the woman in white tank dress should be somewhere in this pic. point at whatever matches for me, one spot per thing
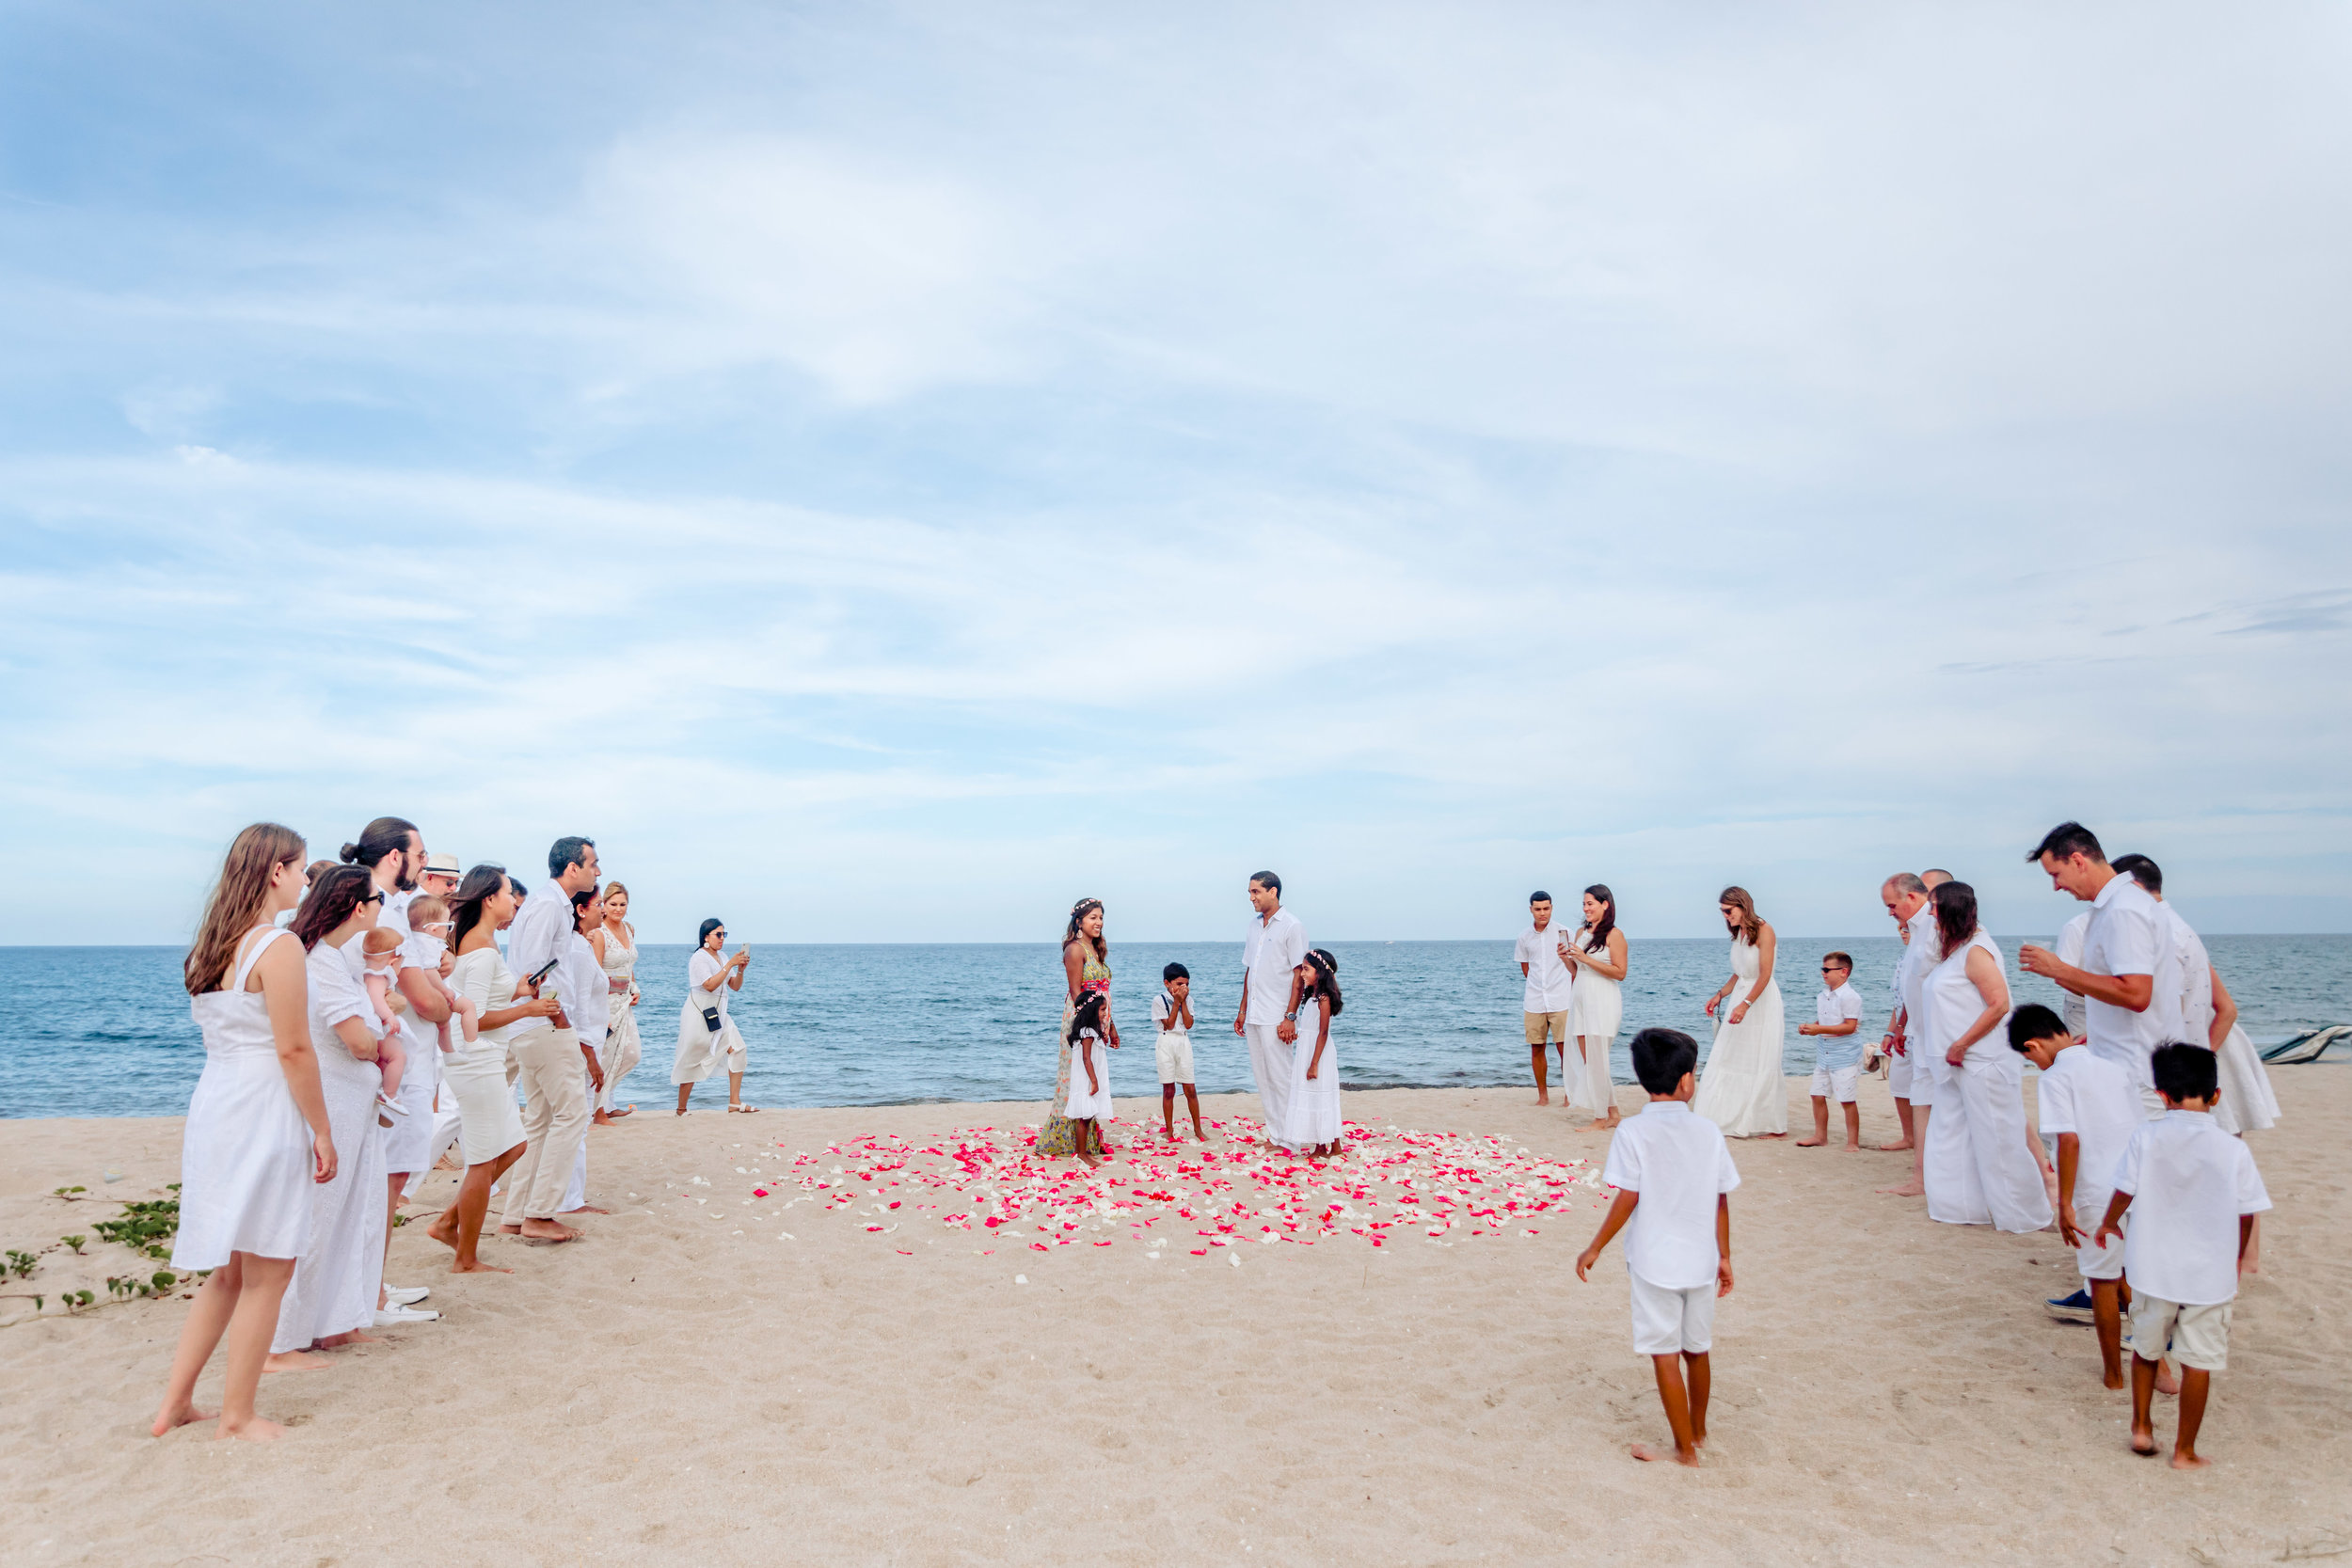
(257, 1140)
(1739, 1087)
(332, 1296)
(1597, 954)
(615, 943)
(490, 1129)
(1977, 1167)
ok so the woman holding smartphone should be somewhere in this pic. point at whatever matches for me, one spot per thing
(489, 1128)
(706, 1034)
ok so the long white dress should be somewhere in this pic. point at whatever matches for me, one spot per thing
(699, 1050)
(1596, 1012)
(621, 1047)
(1312, 1115)
(1741, 1088)
(245, 1156)
(1976, 1167)
(341, 1263)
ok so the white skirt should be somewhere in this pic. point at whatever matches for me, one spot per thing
(245, 1164)
(622, 1048)
(2248, 1104)
(1082, 1104)
(1312, 1115)
(335, 1277)
(1740, 1090)
(1596, 1010)
(1978, 1168)
(699, 1051)
(488, 1124)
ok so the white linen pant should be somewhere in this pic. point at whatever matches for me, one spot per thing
(1271, 1063)
(554, 1080)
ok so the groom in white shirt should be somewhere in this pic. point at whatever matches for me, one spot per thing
(547, 1058)
(1270, 983)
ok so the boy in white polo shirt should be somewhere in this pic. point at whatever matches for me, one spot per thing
(1838, 1057)
(1674, 1177)
(2193, 1192)
(1172, 1010)
(2088, 1109)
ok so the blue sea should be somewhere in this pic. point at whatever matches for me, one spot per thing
(105, 1031)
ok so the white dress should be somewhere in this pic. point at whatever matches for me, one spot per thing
(1976, 1167)
(2247, 1102)
(1741, 1088)
(341, 1264)
(244, 1157)
(1083, 1104)
(700, 1050)
(621, 1047)
(1312, 1115)
(1595, 1011)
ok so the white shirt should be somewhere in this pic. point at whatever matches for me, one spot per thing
(1273, 948)
(699, 968)
(541, 935)
(1549, 978)
(1680, 1164)
(2091, 1097)
(1925, 951)
(2189, 1181)
(2195, 970)
(2127, 935)
(2070, 951)
(583, 976)
(1164, 1011)
(1830, 1009)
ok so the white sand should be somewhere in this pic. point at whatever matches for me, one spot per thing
(671, 1391)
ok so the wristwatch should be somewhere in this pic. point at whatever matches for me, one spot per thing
(1290, 1018)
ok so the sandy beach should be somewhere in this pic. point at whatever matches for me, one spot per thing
(813, 1375)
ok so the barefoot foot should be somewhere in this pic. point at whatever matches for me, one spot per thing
(2188, 1461)
(547, 1233)
(1894, 1148)
(254, 1431)
(2144, 1443)
(1811, 1143)
(171, 1417)
(296, 1361)
(476, 1266)
(1908, 1190)
(1648, 1455)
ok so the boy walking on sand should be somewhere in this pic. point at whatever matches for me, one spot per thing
(1837, 1060)
(2090, 1110)
(1674, 1177)
(2188, 1185)
(1173, 1011)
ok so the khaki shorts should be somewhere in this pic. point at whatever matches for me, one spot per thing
(1543, 1026)
(2200, 1336)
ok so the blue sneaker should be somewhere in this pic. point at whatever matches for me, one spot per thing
(2071, 1309)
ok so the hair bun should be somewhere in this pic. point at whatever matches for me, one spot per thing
(351, 853)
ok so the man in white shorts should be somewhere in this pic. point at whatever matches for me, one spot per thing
(1171, 1016)
(1270, 983)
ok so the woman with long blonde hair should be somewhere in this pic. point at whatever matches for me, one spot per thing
(1739, 1087)
(258, 1139)
(615, 945)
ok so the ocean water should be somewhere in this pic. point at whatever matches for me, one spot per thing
(105, 1031)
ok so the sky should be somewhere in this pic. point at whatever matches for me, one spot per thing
(886, 472)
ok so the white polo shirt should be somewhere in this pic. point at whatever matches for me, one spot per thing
(1274, 947)
(2128, 935)
(2189, 1181)
(1549, 978)
(1680, 1164)
(2089, 1096)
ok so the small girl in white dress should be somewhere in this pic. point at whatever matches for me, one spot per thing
(1312, 1121)
(1089, 1103)
(380, 948)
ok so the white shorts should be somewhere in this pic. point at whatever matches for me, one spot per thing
(1175, 1053)
(2199, 1335)
(1667, 1322)
(1836, 1082)
(2095, 1262)
(1899, 1075)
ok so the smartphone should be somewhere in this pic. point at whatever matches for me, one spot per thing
(539, 979)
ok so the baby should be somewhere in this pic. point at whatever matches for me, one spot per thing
(428, 917)
(380, 949)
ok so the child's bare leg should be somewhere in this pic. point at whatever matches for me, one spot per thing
(1700, 1377)
(1539, 1057)
(1678, 1404)
(2107, 1315)
(1168, 1110)
(2143, 1396)
(392, 1058)
(1902, 1114)
(1820, 1124)
(1192, 1103)
(1853, 1127)
(2196, 1383)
